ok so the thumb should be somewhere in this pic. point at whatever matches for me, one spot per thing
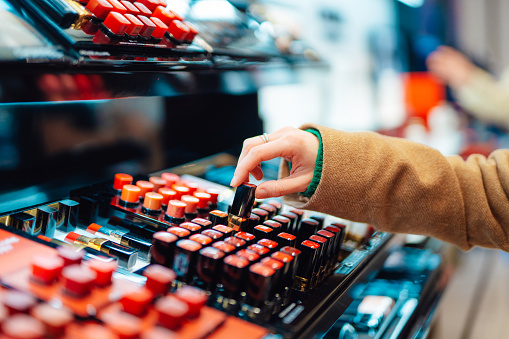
(277, 188)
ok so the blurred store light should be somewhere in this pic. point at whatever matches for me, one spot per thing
(413, 3)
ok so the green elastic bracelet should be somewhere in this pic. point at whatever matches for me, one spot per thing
(317, 174)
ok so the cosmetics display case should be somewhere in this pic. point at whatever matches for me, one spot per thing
(84, 98)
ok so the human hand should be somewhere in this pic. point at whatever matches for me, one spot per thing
(450, 66)
(294, 145)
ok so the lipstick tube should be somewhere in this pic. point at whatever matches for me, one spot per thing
(330, 261)
(293, 225)
(321, 260)
(252, 256)
(295, 253)
(299, 213)
(259, 284)
(286, 239)
(214, 195)
(263, 214)
(261, 232)
(224, 247)
(120, 180)
(261, 250)
(252, 221)
(175, 214)
(159, 279)
(238, 243)
(170, 178)
(60, 11)
(270, 244)
(342, 235)
(218, 217)
(227, 231)
(307, 263)
(307, 228)
(204, 223)
(320, 220)
(186, 257)
(241, 207)
(180, 232)
(126, 256)
(215, 235)
(181, 190)
(276, 227)
(201, 239)
(203, 205)
(67, 218)
(152, 204)
(124, 238)
(191, 204)
(338, 240)
(23, 221)
(46, 221)
(247, 237)
(145, 187)
(140, 229)
(234, 275)
(209, 268)
(130, 196)
(277, 204)
(191, 227)
(269, 208)
(163, 249)
(288, 270)
(284, 221)
(158, 182)
(277, 288)
(168, 194)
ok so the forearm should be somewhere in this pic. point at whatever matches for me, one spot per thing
(400, 186)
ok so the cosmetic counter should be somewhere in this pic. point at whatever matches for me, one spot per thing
(120, 126)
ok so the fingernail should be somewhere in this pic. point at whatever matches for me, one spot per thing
(232, 183)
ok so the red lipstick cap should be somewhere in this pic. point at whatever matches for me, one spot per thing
(137, 302)
(143, 10)
(176, 209)
(122, 179)
(46, 269)
(159, 279)
(99, 8)
(158, 33)
(148, 28)
(171, 312)
(194, 298)
(78, 280)
(117, 23)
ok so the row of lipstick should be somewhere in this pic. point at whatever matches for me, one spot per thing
(145, 21)
(66, 274)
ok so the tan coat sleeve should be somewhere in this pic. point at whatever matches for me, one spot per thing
(403, 187)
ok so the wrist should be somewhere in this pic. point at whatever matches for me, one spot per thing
(317, 174)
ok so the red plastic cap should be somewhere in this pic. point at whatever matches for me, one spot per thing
(193, 186)
(158, 33)
(134, 30)
(118, 6)
(122, 179)
(223, 229)
(263, 270)
(145, 186)
(204, 199)
(153, 201)
(46, 269)
(214, 194)
(165, 237)
(150, 4)
(194, 298)
(178, 30)
(71, 237)
(245, 236)
(318, 239)
(213, 234)
(99, 8)
(171, 312)
(189, 245)
(104, 271)
(146, 32)
(165, 15)
(236, 261)
(193, 32)
(159, 279)
(191, 202)
(272, 263)
(93, 228)
(179, 231)
(310, 244)
(131, 9)
(248, 254)
(325, 234)
(261, 250)
(202, 222)
(144, 11)
(117, 23)
(157, 181)
(287, 236)
(283, 257)
(137, 302)
(265, 229)
(267, 243)
(78, 280)
(192, 227)
(201, 239)
(23, 326)
(221, 245)
(170, 178)
(70, 255)
(291, 251)
(235, 241)
(297, 211)
(176, 209)
(130, 193)
(168, 194)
